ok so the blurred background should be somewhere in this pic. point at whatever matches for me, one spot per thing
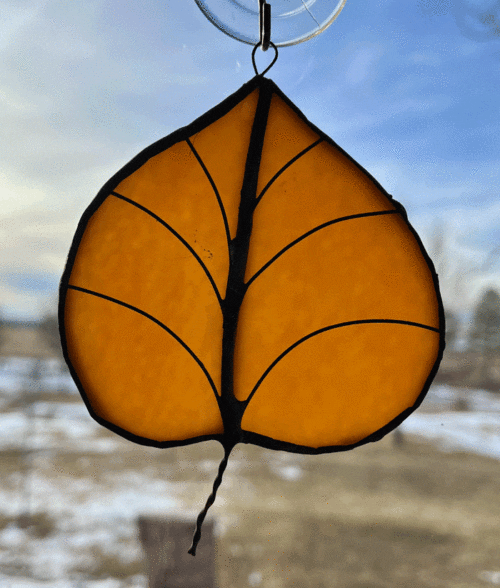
(411, 92)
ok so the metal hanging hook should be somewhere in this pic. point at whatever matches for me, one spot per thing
(293, 21)
(265, 24)
(265, 35)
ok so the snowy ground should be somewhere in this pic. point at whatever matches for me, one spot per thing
(96, 518)
(475, 427)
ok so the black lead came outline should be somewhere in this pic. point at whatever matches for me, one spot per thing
(286, 166)
(231, 408)
(266, 88)
(259, 197)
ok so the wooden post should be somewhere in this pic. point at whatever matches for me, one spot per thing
(166, 543)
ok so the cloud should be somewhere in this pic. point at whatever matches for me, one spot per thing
(478, 20)
(15, 17)
(30, 282)
(363, 64)
(85, 86)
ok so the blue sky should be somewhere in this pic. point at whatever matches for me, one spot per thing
(410, 90)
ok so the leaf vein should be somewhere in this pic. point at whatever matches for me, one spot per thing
(156, 321)
(216, 191)
(329, 328)
(314, 230)
(178, 236)
(285, 167)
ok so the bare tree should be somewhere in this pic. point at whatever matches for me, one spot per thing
(485, 333)
(49, 328)
(448, 267)
(484, 336)
(452, 328)
(441, 255)
(456, 269)
(3, 324)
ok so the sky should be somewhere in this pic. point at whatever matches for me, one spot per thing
(410, 90)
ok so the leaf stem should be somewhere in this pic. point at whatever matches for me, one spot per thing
(210, 500)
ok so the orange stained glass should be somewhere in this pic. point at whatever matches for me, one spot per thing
(287, 137)
(248, 281)
(160, 185)
(245, 280)
(294, 402)
(135, 374)
(223, 147)
(127, 255)
(364, 268)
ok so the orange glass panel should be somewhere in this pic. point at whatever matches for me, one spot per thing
(129, 368)
(128, 255)
(364, 268)
(223, 147)
(244, 280)
(174, 186)
(232, 240)
(286, 136)
(341, 386)
(321, 186)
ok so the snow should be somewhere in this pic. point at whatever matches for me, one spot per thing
(12, 536)
(54, 424)
(138, 581)
(87, 514)
(475, 432)
(491, 577)
(18, 373)
(444, 397)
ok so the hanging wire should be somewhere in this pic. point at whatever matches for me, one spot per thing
(272, 62)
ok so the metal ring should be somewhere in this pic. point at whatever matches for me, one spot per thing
(271, 44)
